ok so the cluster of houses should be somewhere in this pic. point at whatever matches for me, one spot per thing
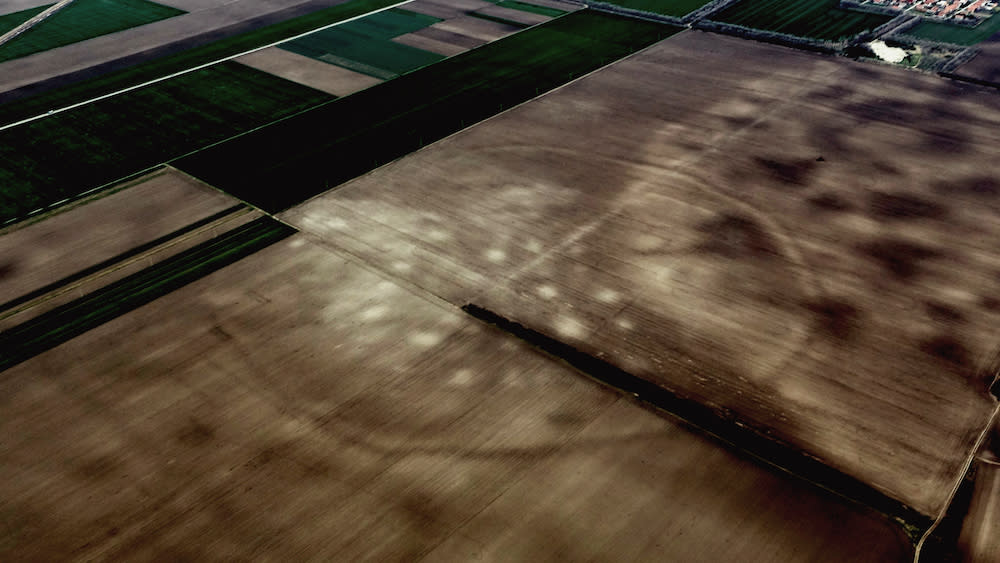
(969, 12)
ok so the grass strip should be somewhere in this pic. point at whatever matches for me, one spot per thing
(819, 19)
(288, 162)
(82, 20)
(498, 19)
(65, 322)
(118, 258)
(67, 95)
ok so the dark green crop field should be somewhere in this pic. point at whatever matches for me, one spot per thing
(525, 7)
(54, 327)
(286, 163)
(676, 8)
(16, 110)
(10, 21)
(366, 45)
(957, 34)
(84, 19)
(66, 154)
(819, 19)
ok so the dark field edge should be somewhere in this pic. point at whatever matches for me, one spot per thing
(290, 161)
(63, 91)
(723, 425)
(497, 19)
(970, 80)
(65, 322)
(117, 258)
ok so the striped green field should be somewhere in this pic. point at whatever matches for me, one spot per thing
(10, 21)
(366, 45)
(85, 19)
(40, 103)
(59, 325)
(960, 35)
(286, 163)
(66, 154)
(525, 7)
(676, 8)
(818, 19)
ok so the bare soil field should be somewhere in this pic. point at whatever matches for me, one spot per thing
(310, 72)
(211, 22)
(153, 206)
(298, 405)
(422, 40)
(985, 65)
(481, 29)
(804, 244)
(447, 9)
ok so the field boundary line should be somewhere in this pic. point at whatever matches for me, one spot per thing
(194, 68)
(973, 456)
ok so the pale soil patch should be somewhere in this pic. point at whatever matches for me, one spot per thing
(802, 243)
(422, 41)
(484, 30)
(295, 405)
(310, 72)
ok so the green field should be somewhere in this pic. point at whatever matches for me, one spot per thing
(366, 45)
(525, 7)
(955, 33)
(54, 327)
(10, 21)
(676, 8)
(37, 104)
(286, 163)
(819, 19)
(84, 19)
(66, 154)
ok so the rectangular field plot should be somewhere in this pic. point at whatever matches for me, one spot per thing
(39, 255)
(819, 19)
(54, 327)
(301, 390)
(84, 19)
(307, 71)
(957, 34)
(310, 153)
(804, 245)
(69, 153)
(32, 106)
(366, 45)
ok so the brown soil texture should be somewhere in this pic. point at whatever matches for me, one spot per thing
(298, 405)
(805, 244)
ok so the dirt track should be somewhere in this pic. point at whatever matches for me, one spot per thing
(805, 243)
